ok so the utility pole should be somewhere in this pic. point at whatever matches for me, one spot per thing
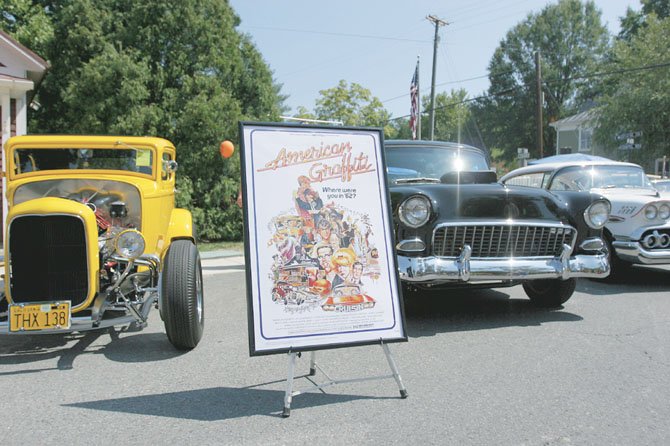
(538, 102)
(437, 22)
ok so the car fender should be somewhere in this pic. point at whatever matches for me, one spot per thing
(181, 226)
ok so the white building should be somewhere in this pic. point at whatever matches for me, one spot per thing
(574, 134)
(21, 72)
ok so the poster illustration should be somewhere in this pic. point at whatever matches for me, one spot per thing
(321, 268)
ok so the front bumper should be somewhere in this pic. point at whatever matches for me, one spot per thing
(76, 324)
(106, 314)
(634, 252)
(465, 269)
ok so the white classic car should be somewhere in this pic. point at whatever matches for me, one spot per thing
(638, 230)
(662, 185)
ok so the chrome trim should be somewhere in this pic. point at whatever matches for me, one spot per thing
(402, 243)
(592, 244)
(150, 260)
(502, 223)
(8, 255)
(656, 240)
(634, 252)
(434, 270)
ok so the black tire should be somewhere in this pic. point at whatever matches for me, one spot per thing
(4, 306)
(182, 305)
(549, 293)
(618, 267)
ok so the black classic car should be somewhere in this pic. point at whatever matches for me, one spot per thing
(455, 225)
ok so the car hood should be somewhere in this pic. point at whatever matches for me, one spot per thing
(486, 201)
(627, 203)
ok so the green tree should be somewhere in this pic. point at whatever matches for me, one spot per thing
(639, 95)
(572, 41)
(452, 115)
(633, 21)
(28, 22)
(303, 113)
(353, 105)
(179, 70)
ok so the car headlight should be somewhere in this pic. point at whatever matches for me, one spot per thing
(129, 244)
(650, 212)
(597, 214)
(415, 211)
(664, 211)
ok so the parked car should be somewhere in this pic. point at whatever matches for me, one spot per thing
(638, 230)
(93, 238)
(455, 225)
(662, 185)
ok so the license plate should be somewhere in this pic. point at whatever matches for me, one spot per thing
(39, 316)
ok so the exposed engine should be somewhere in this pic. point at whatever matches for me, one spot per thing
(116, 206)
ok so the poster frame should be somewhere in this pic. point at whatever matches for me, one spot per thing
(388, 239)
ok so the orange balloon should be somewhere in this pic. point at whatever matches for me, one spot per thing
(226, 149)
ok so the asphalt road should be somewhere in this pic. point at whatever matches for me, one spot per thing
(481, 367)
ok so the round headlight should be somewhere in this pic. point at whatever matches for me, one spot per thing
(129, 244)
(597, 214)
(664, 211)
(650, 212)
(415, 211)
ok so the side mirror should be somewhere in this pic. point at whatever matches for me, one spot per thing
(170, 166)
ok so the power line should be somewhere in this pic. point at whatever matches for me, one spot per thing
(455, 82)
(607, 73)
(519, 87)
(327, 33)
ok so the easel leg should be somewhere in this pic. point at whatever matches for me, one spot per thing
(288, 397)
(312, 363)
(394, 369)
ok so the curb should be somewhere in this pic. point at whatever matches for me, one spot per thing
(220, 254)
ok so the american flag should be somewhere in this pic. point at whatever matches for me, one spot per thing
(414, 101)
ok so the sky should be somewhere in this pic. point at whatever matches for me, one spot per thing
(310, 45)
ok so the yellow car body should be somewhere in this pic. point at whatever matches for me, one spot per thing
(92, 222)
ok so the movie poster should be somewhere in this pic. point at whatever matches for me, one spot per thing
(321, 270)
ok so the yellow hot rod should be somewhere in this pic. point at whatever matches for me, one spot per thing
(93, 239)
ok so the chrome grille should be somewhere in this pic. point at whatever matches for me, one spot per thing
(502, 241)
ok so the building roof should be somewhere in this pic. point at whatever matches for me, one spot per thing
(35, 62)
(22, 69)
(575, 121)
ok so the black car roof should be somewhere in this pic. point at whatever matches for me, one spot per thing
(422, 143)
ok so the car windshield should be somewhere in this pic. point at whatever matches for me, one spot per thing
(126, 159)
(663, 186)
(431, 162)
(600, 177)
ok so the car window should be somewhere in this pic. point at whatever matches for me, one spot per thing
(529, 180)
(663, 186)
(584, 178)
(126, 159)
(432, 162)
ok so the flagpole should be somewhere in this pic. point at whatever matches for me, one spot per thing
(418, 92)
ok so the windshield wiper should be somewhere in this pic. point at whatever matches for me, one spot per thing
(417, 180)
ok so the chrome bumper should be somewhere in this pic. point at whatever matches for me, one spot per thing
(464, 269)
(634, 252)
(76, 324)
